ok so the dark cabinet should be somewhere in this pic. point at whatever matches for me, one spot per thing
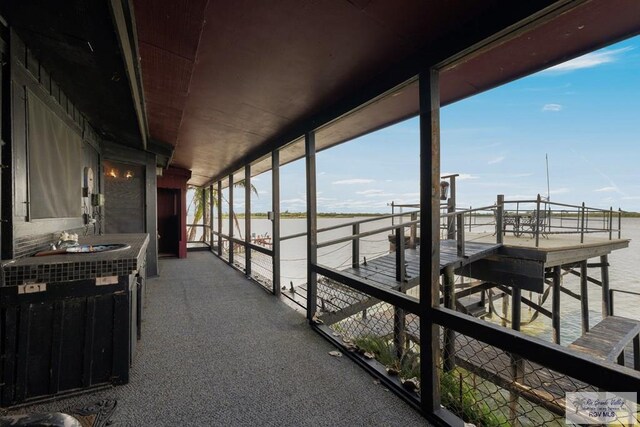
(67, 336)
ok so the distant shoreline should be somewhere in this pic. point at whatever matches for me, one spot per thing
(302, 215)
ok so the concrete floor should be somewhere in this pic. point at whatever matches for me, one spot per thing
(217, 350)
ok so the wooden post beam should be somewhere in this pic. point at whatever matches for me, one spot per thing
(555, 303)
(312, 223)
(219, 218)
(247, 219)
(584, 297)
(275, 225)
(231, 219)
(429, 97)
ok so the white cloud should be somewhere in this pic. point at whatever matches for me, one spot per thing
(606, 189)
(372, 191)
(353, 181)
(496, 160)
(631, 198)
(293, 201)
(552, 107)
(590, 60)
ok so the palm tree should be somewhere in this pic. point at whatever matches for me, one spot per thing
(201, 202)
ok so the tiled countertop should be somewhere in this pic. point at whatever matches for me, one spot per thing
(67, 267)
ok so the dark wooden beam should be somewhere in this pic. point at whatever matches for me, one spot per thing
(219, 186)
(247, 219)
(312, 223)
(231, 219)
(275, 225)
(429, 95)
(555, 303)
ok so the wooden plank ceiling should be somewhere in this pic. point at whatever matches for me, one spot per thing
(222, 79)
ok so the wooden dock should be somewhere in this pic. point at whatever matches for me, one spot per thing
(382, 270)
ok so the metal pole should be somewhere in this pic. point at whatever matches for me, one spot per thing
(538, 221)
(460, 235)
(619, 223)
(247, 219)
(500, 219)
(400, 273)
(582, 225)
(355, 247)
(413, 230)
(610, 222)
(604, 278)
(451, 207)
(555, 303)
(219, 218)
(429, 97)
(312, 223)
(275, 225)
(231, 219)
(584, 297)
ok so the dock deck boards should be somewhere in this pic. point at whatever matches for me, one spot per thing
(609, 338)
(382, 270)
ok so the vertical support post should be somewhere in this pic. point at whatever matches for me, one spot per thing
(636, 352)
(555, 303)
(584, 297)
(429, 96)
(619, 223)
(413, 230)
(355, 246)
(219, 218)
(247, 219)
(312, 223)
(537, 221)
(399, 328)
(275, 226)
(500, 219)
(460, 235)
(604, 278)
(505, 308)
(517, 364)
(400, 273)
(203, 192)
(582, 224)
(451, 207)
(449, 294)
(611, 304)
(516, 308)
(610, 222)
(211, 217)
(231, 219)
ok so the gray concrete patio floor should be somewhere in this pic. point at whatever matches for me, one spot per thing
(217, 350)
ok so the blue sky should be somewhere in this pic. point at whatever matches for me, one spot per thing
(585, 114)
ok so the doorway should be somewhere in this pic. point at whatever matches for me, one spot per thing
(168, 222)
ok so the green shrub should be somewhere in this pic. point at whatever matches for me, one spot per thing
(465, 401)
